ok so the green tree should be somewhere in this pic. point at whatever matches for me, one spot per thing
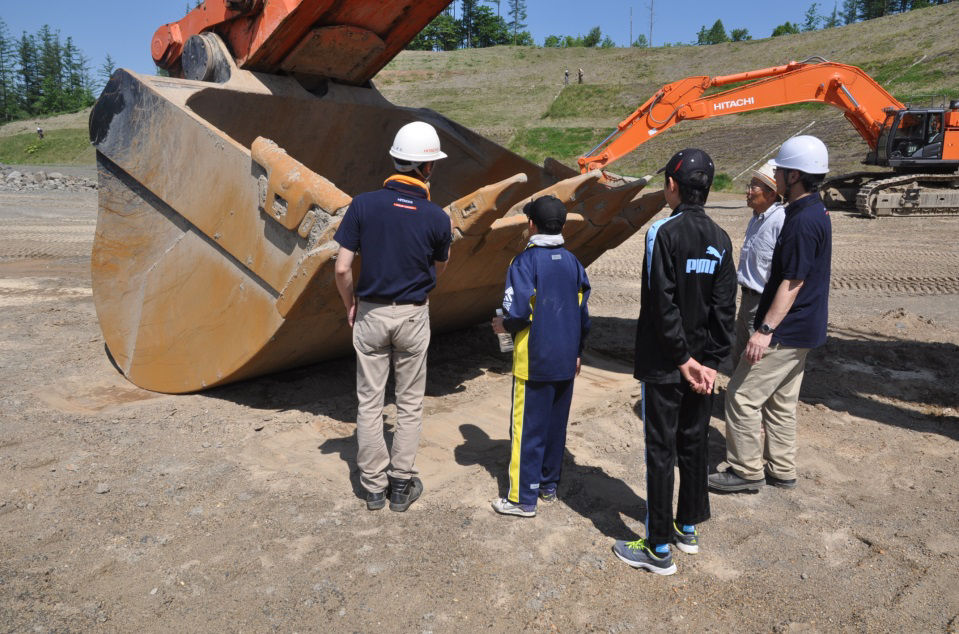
(592, 38)
(786, 28)
(28, 94)
(812, 18)
(488, 29)
(850, 11)
(516, 10)
(833, 20)
(443, 33)
(553, 41)
(715, 35)
(640, 42)
(467, 12)
(8, 87)
(607, 43)
(524, 38)
(740, 35)
(106, 70)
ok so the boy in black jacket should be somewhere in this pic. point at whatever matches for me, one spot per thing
(684, 331)
(544, 307)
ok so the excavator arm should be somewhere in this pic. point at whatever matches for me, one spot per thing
(346, 41)
(848, 88)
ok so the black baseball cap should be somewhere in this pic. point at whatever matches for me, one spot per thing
(690, 167)
(547, 213)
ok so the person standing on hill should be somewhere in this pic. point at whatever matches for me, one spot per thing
(756, 256)
(684, 332)
(404, 241)
(791, 320)
(544, 307)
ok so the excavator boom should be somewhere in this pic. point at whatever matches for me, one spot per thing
(848, 88)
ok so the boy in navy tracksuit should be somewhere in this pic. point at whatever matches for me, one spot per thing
(544, 307)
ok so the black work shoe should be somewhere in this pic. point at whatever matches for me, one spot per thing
(773, 481)
(403, 493)
(727, 481)
(375, 501)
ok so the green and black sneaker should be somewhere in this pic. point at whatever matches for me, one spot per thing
(686, 542)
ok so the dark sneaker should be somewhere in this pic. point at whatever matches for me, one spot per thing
(638, 554)
(686, 542)
(375, 501)
(548, 494)
(727, 481)
(403, 493)
(773, 481)
(505, 507)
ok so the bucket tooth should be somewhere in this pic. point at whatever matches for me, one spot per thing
(640, 210)
(291, 193)
(606, 204)
(569, 191)
(475, 213)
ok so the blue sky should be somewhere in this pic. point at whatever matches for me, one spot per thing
(123, 28)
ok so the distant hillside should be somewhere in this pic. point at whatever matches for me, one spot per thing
(516, 97)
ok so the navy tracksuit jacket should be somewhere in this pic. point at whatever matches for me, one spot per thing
(544, 306)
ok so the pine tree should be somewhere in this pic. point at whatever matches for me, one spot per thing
(50, 71)
(8, 88)
(28, 88)
(106, 70)
(517, 17)
(812, 18)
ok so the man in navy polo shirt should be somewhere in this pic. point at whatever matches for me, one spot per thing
(404, 242)
(790, 320)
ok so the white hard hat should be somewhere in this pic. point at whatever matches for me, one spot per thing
(417, 142)
(765, 175)
(804, 153)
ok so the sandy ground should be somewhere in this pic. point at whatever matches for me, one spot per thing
(235, 509)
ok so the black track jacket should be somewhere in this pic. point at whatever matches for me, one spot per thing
(688, 300)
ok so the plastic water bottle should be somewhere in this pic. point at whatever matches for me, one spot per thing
(505, 339)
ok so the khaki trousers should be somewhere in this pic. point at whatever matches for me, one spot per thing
(381, 334)
(748, 304)
(764, 395)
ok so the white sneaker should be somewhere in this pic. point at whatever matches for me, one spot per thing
(505, 507)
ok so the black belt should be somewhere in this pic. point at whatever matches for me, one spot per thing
(388, 301)
(749, 291)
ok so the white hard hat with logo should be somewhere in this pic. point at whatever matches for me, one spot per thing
(804, 153)
(417, 142)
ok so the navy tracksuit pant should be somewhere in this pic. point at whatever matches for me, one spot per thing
(676, 424)
(538, 436)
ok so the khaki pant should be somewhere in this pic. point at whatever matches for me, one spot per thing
(382, 333)
(748, 304)
(764, 395)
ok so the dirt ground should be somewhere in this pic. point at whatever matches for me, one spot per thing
(236, 509)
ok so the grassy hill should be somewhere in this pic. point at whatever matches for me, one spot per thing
(515, 95)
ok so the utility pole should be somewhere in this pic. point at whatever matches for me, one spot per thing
(650, 43)
(630, 25)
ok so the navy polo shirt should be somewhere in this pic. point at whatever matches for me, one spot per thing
(399, 233)
(803, 252)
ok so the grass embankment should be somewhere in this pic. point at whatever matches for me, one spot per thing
(57, 147)
(516, 97)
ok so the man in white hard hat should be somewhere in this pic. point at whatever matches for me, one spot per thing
(756, 256)
(790, 321)
(404, 241)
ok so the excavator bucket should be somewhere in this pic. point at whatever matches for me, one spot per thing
(213, 256)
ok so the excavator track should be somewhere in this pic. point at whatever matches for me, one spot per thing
(910, 195)
(839, 193)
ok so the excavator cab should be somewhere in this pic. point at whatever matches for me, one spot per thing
(912, 140)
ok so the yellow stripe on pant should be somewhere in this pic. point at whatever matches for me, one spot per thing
(516, 435)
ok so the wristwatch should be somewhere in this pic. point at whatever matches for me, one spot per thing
(766, 330)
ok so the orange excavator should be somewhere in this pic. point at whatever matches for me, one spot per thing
(920, 145)
(221, 186)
